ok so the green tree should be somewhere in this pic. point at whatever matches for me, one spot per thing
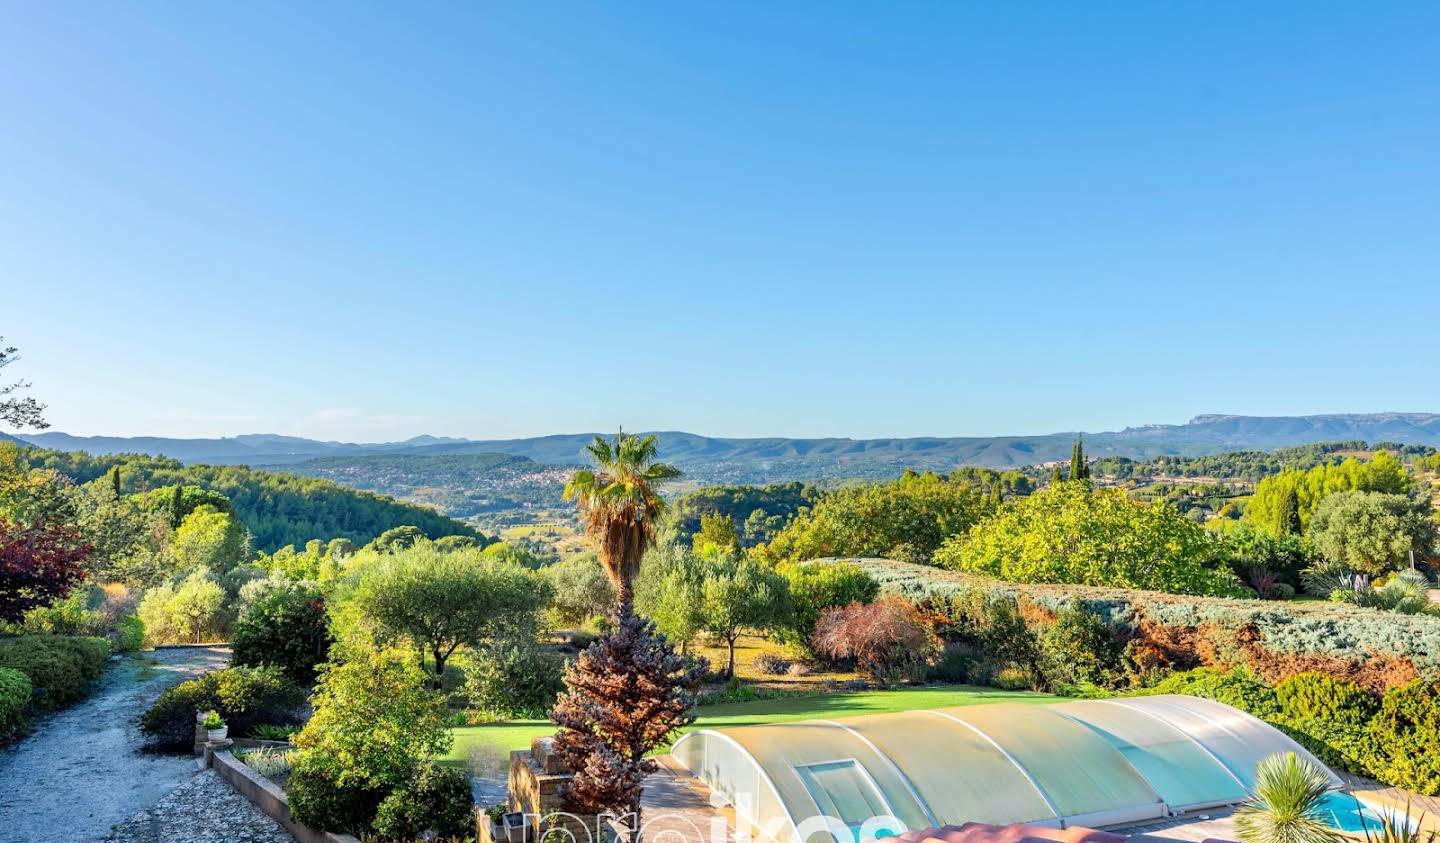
(825, 585)
(582, 591)
(17, 411)
(1071, 533)
(208, 538)
(1270, 507)
(716, 535)
(670, 591)
(619, 502)
(1079, 467)
(1370, 532)
(284, 623)
(920, 510)
(1287, 521)
(739, 596)
(185, 611)
(437, 602)
(397, 539)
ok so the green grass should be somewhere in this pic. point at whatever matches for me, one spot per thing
(486, 749)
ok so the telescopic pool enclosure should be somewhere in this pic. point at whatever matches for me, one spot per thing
(1086, 762)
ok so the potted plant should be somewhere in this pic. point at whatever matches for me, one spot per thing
(215, 727)
(514, 824)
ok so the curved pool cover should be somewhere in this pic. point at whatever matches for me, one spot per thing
(1085, 762)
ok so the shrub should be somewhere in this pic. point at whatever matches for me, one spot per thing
(284, 623)
(322, 797)
(818, 586)
(438, 799)
(1406, 732)
(15, 691)
(1320, 696)
(1078, 648)
(1284, 591)
(1275, 639)
(243, 696)
(57, 672)
(374, 727)
(514, 680)
(772, 664)
(129, 634)
(1012, 678)
(1238, 688)
(90, 652)
(887, 639)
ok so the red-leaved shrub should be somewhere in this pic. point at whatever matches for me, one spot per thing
(887, 639)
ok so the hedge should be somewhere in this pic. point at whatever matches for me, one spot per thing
(59, 667)
(15, 692)
(1375, 649)
(244, 697)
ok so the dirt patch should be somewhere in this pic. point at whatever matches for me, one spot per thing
(82, 770)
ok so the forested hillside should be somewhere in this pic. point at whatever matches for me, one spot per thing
(277, 508)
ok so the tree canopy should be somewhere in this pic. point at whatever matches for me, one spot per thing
(1274, 508)
(1070, 533)
(914, 514)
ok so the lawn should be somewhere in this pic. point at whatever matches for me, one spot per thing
(486, 749)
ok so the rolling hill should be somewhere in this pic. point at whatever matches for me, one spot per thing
(708, 459)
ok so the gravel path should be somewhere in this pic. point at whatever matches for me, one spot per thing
(82, 770)
(202, 810)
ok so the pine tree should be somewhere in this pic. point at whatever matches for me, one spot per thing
(626, 695)
(1079, 468)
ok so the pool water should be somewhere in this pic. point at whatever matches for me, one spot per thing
(1346, 813)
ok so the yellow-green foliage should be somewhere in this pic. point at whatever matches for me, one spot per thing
(1319, 695)
(1071, 533)
(916, 512)
(1382, 474)
(15, 691)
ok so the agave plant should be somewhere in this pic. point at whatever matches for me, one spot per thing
(1287, 804)
(1394, 829)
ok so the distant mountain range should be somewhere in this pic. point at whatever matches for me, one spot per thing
(722, 460)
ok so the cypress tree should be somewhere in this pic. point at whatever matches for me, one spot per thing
(115, 481)
(1079, 469)
(1057, 476)
(1289, 517)
(177, 502)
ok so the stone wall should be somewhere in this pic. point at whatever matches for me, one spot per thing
(537, 784)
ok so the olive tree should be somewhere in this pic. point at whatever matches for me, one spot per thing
(437, 601)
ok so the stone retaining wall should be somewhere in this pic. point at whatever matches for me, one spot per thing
(268, 797)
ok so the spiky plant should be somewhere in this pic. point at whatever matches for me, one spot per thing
(1286, 805)
(1394, 829)
(619, 500)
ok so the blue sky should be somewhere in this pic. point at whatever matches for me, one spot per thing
(368, 221)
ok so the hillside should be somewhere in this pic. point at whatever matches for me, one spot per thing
(459, 485)
(765, 460)
(278, 508)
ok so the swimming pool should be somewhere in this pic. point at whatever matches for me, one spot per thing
(1346, 813)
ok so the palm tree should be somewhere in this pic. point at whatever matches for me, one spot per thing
(1286, 805)
(620, 502)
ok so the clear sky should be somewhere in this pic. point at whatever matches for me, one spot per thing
(368, 221)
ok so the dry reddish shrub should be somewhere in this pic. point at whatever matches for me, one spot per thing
(1374, 674)
(887, 638)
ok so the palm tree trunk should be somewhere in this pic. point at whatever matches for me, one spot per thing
(624, 599)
